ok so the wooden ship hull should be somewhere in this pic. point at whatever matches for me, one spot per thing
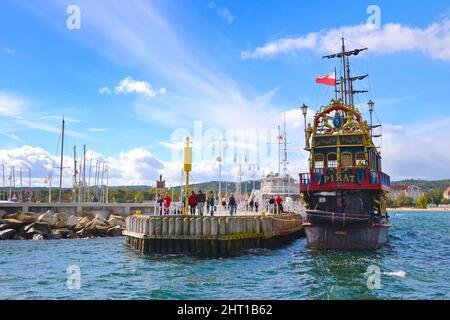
(330, 231)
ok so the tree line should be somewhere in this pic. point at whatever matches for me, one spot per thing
(433, 196)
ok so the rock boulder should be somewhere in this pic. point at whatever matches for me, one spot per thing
(114, 222)
(48, 217)
(38, 236)
(114, 231)
(71, 221)
(42, 228)
(7, 234)
(82, 222)
(14, 223)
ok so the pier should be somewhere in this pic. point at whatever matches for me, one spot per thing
(208, 236)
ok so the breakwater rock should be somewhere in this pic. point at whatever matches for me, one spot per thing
(59, 225)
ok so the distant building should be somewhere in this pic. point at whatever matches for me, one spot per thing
(160, 184)
(410, 191)
(446, 194)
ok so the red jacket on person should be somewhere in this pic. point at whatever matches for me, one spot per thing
(192, 200)
(278, 200)
(166, 201)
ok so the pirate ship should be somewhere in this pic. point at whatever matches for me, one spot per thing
(345, 188)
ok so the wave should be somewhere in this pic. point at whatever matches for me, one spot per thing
(400, 274)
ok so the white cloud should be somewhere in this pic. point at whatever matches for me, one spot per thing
(104, 90)
(223, 12)
(98, 129)
(417, 151)
(135, 167)
(433, 40)
(12, 105)
(32, 124)
(10, 52)
(129, 85)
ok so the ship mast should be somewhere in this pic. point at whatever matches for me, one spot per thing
(345, 84)
(62, 159)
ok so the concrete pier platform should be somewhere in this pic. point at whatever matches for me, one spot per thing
(210, 236)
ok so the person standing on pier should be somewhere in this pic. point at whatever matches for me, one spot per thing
(193, 202)
(279, 202)
(167, 200)
(210, 203)
(201, 199)
(160, 205)
(232, 204)
(256, 205)
(271, 205)
(224, 203)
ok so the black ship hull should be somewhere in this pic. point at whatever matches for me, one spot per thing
(329, 231)
(351, 238)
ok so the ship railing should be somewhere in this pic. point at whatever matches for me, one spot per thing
(374, 177)
(385, 179)
(305, 179)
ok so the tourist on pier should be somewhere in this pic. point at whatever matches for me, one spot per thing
(256, 205)
(193, 202)
(160, 205)
(279, 202)
(251, 204)
(210, 203)
(271, 204)
(201, 199)
(232, 204)
(166, 203)
(224, 203)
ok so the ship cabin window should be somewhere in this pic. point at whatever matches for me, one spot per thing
(332, 160)
(346, 159)
(360, 159)
(373, 160)
(319, 161)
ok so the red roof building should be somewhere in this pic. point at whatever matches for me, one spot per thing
(411, 191)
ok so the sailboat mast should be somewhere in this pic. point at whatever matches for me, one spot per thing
(3, 190)
(61, 162)
(75, 173)
(279, 150)
(285, 144)
(84, 173)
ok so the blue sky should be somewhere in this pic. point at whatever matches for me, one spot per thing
(138, 71)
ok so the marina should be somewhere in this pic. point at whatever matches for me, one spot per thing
(240, 151)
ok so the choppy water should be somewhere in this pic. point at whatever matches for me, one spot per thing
(414, 265)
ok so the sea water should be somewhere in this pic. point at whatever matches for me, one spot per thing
(414, 264)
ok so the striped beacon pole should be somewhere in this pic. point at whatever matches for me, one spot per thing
(187, 168)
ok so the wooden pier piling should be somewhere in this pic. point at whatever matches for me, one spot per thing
(209, 236)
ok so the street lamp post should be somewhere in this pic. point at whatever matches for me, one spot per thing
(219, 159)
(371, 105)
(304, 109)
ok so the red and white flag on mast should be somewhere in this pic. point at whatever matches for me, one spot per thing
(329, 79)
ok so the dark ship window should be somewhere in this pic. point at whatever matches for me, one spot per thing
(332, 160)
